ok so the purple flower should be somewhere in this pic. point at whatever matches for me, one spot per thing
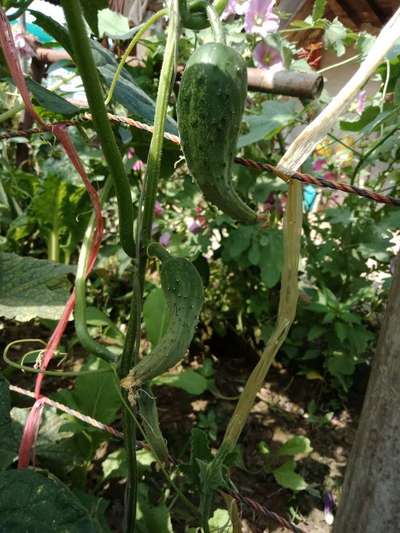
(361, 100)
(319, 164)
(158, 209)
(138, 165)
(24, 47)
(165, 239)
(329, 175)
(235, 7)
(194, 227)
(260, 18)
(329, 505)
(130, 153)
(266, 56)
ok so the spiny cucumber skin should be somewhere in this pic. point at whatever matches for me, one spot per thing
(210, 106)
(183, 290)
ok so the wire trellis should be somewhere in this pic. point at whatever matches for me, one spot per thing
(250, 163)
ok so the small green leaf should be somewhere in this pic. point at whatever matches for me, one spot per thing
(340, 364)
(286, 476)
(220, 521)
(275, 115)
(114, 465)
(155, 315)
(271, 258)
(295, 446)
(318, 9)
(334, 36)
(315, 332)
(341, 331)
(112, 23)
(188, 380)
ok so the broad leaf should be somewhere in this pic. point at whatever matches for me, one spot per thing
(155, 315)
(112, 24)
(53, 28)
(32, 502)
(90, 10)
(368, 115)
(52, 101)
(127, 93)
(32, 288)
(275, 115)
(94, 394)
(8, 442)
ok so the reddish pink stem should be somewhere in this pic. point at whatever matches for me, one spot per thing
(32, 424)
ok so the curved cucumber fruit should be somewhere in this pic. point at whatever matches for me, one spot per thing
(183, 291)
(210, 107)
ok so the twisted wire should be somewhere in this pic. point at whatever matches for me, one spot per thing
(262, 509)
(73, 412)
(249, 163)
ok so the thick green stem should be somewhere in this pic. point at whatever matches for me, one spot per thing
(156, 144)
(88, 72)
(216, 25)
(131, 347)
(85, 339)
(129, 49)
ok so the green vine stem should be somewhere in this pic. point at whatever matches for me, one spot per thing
(88, 72)
(141, 31)
(216, 25)
(53, 373)
(146, 207)
(156, 144)
(296, 154)
(11, 112)
(85, 339)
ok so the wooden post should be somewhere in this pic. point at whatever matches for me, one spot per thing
(370, 500)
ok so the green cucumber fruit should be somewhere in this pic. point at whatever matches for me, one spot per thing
(210, 106)
(183, 291)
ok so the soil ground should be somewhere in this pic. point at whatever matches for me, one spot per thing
(279, 413)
